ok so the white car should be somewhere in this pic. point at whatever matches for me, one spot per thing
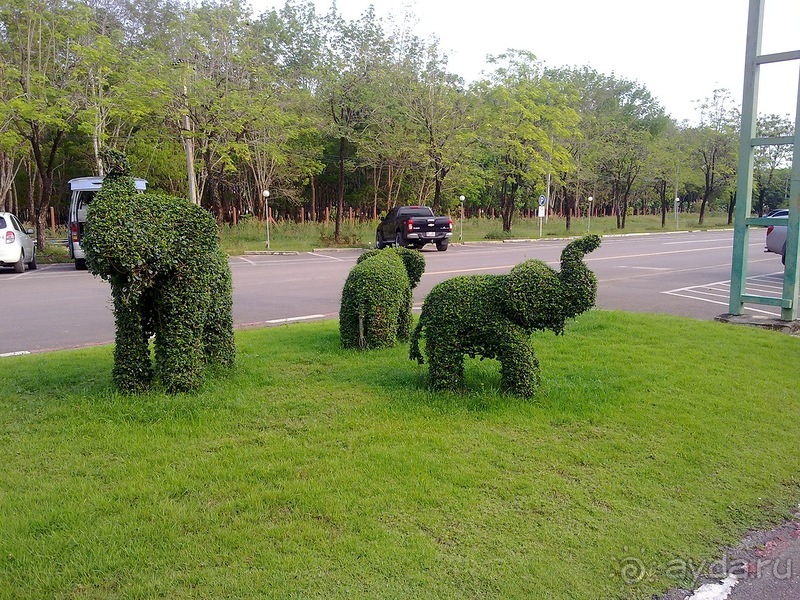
(17, 247)
(776, 234)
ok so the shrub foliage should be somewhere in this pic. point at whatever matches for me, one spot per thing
(376, 302)
(493, 316)
(169, 278)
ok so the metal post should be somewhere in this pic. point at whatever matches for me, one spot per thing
(461, 234)
(791, 285)
(265, 193)
(589, 227)
(744, 186)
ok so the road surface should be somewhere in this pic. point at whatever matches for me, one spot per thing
(678, 273)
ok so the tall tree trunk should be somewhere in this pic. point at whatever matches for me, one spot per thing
(313, 199)
(45, 169)
(731, 206)
(703, 208)
(568, 211)
(662, 194)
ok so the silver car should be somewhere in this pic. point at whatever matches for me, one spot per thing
(17, 247)
(776, 234)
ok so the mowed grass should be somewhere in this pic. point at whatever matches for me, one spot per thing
(315, 472)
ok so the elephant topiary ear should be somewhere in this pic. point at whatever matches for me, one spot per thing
(414, 263)
(532, 296)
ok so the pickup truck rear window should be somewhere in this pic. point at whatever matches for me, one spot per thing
(2, 223)
(415, 212)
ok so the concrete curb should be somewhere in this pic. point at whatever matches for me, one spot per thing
(271, 252)
(339, 249)
(761, 322)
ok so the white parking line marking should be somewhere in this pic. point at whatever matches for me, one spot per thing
(646, 268)
(721, 289)
(688, 242)
(327, 256)
(765, 312)
(293, 319)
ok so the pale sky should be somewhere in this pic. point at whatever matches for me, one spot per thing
(681, 50)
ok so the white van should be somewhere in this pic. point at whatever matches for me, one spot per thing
(83, 190)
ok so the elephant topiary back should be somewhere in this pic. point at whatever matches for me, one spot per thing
(412, 259)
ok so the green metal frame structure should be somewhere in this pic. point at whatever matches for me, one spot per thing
(744, 187)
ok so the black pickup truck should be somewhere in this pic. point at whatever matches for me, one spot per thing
(414, 226)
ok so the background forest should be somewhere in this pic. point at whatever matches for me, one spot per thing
(338, 117)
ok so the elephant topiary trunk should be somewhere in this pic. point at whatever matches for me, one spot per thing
(493, 316)
(169, 279)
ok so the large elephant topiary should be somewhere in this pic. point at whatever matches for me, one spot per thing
(376, 298)
(169, 278)
(493, 316)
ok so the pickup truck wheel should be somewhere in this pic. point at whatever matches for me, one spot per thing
(378, 241)
(80, 264)
(32, 265)
(398, 240)
(441, 246)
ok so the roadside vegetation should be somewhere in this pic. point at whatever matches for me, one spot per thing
(251, 234)
(313, 471)
(287, 235)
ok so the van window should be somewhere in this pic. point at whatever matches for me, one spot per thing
(83, 200)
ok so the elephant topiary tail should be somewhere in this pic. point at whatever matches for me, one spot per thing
(414, 353)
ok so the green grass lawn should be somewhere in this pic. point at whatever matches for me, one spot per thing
(311, 471)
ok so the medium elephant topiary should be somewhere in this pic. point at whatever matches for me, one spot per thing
(377, 296)
(493, 316)
(169, 278)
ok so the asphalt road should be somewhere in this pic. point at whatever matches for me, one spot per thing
(679, 273)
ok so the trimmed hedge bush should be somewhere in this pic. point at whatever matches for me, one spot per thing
(376, 302)
(169, 278)
(493, 316)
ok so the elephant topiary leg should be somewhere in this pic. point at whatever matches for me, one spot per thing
(218, 343)
(179, 338)
(133, 370)
(445, 364)
(381, 323)
(519, 367)
(404, 319)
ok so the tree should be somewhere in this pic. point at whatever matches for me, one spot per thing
(40, 54)
(354, 58)
(439, 107)
(11, 143)
(714, 145)
(524, 118)
(768, 161)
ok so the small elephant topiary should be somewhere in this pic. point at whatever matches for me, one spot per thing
(377, 296)
(493, 316)
(169, 278)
